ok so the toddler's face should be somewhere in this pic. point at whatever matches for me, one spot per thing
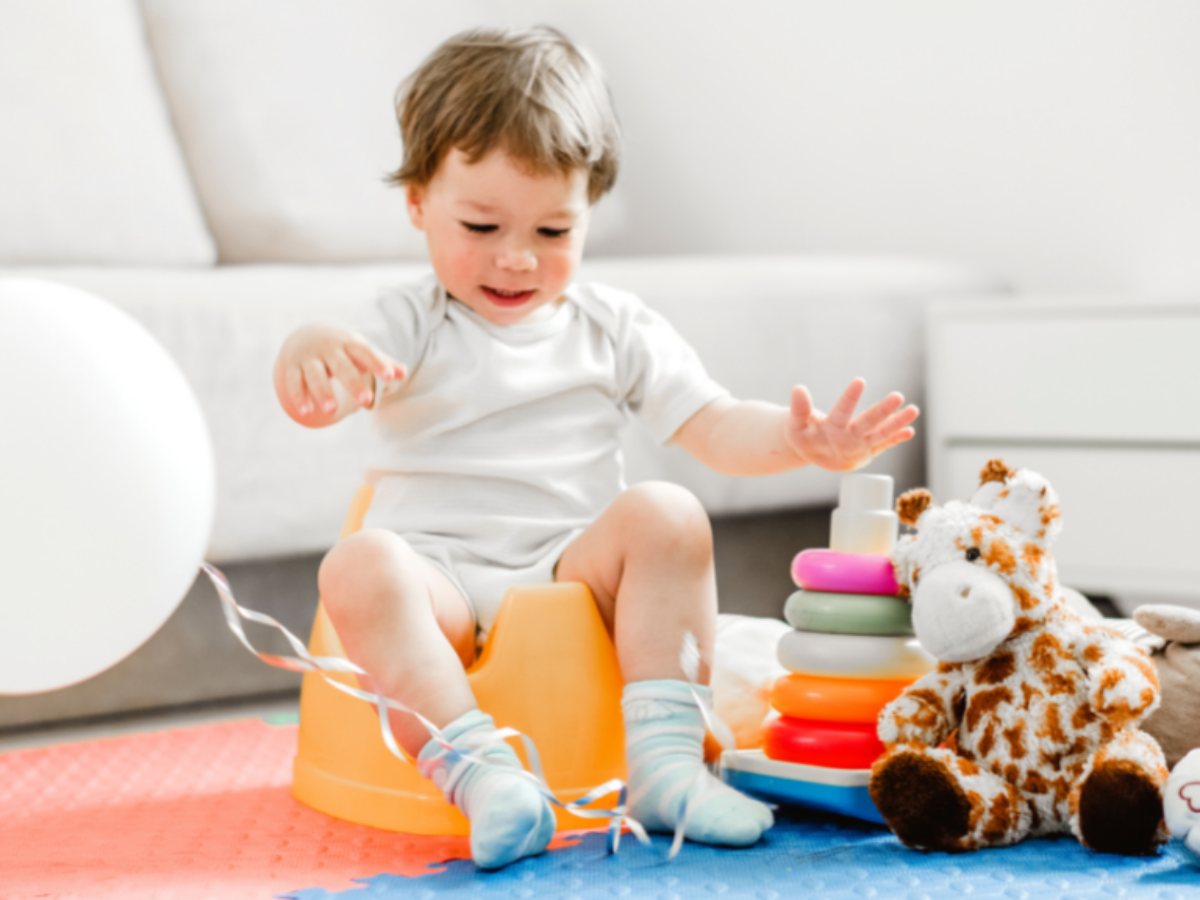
(502, 240)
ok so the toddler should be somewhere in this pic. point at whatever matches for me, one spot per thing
(498, 388)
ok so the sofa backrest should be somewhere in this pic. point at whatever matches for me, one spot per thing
(90, 171)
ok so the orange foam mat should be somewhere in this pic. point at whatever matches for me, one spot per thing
(201, 812)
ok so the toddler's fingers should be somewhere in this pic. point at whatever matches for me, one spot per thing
(368, 359)
(904, 434)
(316, 379)
(802, 405)
(293, 381)
(900, 419)
(868, 420)
(843, 410)
(352, 380)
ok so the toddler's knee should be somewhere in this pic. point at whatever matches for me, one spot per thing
(667, 520)
(354, 564)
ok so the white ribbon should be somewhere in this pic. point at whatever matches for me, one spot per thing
(306, 662)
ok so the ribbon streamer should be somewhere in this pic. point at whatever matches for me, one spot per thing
(304, 661)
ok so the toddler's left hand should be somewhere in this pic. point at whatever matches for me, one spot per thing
(841, 441)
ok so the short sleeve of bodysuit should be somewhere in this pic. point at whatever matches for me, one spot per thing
(659, 375)
(401, 322)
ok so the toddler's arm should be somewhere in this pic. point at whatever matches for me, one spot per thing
(313, 358)
(749, 437)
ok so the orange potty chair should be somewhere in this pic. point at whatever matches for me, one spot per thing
(548, 669)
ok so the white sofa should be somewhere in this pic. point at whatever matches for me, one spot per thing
(214, 168)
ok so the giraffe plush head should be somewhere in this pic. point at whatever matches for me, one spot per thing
(979, 571)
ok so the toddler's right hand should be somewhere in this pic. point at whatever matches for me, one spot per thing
(315, 356)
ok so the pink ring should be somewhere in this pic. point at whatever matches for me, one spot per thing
(844, 573)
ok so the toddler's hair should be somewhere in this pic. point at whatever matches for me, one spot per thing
(531, 93)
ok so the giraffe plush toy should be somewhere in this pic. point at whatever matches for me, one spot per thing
(1029, 725)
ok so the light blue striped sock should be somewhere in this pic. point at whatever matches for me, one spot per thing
(510, 819)
(664, 747)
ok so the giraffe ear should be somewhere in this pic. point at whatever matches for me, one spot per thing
(911, 504)
(1024, 500)
(995, 470)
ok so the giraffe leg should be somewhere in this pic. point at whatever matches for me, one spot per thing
(936, 800)
(1116, 805)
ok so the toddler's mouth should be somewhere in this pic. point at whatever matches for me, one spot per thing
(506, 298)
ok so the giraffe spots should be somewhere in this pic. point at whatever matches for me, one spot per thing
(1052, 729)
(985, 703)
(1032, 555)
(1012, 773)
(1025, 599)
(987, 741)
(978, 807)
(1143, 665)
(994, 521)
(1015, 736)
(928, 713)
(966, 767)
(1002, 818)
(999, 555)
(1050, 513)
(996, 669)
(1083, 717)
(1035, 783)
(1022, 625)
(1045, 654)
(946, 668)
(1028, 693)
(1092, 654)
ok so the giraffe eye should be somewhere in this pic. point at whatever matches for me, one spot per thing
(973, 554)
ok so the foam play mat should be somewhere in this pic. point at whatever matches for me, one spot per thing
(206, 812)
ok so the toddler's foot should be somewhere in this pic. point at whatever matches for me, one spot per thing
(510, 819)
(664, 740)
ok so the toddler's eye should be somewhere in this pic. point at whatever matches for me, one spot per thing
(554, 232)
(476, 228)
(973, 554)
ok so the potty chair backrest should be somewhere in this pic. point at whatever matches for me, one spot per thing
(548, 669)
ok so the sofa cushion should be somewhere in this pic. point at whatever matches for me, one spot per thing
(285, 111)
(90, 171)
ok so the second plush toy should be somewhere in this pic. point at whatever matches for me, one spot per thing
(1037, 710)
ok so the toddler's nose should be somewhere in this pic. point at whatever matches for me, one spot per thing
(517, 261)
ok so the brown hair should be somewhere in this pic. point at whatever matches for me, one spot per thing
(531, 93)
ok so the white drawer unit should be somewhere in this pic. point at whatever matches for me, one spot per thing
(1100, 395)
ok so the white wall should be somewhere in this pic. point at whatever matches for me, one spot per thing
(1053, 142)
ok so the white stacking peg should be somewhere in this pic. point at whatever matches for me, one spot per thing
(864, 521)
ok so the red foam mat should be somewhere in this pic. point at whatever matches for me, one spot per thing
(196, 812)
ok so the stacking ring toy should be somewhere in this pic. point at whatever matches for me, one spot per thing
(848, 613)
(836, 745)
(844, 573)
(854, 656)
(834, 699)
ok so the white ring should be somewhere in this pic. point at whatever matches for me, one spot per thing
(853, 655)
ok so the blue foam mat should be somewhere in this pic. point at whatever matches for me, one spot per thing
(806, 855)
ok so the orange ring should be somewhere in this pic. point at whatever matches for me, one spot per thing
(834, 699)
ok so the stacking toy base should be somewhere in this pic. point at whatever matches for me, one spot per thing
(842, 791)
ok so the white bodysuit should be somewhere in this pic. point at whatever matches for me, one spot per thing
(502, 443)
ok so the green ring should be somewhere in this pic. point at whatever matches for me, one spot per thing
(830, 613)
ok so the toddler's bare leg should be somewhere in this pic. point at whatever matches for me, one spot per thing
(402, 620)
(648, 560)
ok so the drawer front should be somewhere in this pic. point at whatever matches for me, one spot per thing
(1130, 517)
(1114, 374)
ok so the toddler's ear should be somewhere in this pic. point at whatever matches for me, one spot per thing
(414, 199)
